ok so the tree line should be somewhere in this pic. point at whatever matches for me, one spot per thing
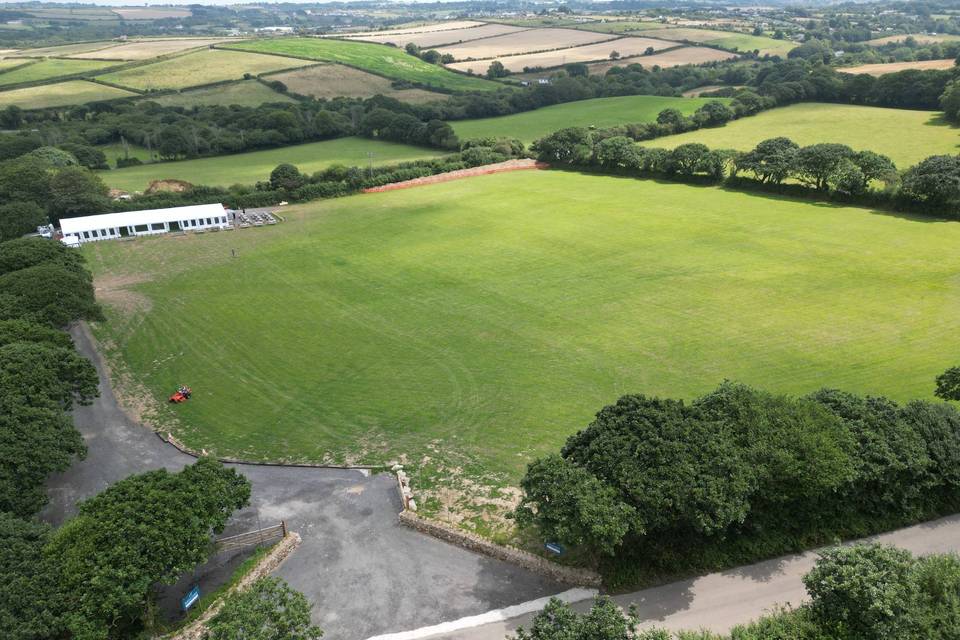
(826, 169)
(658, 486)
(861, 592)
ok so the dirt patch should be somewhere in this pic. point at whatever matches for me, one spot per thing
(117, 292)
(484, 170)
(173, 186)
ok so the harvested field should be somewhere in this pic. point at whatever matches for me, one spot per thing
(247, 93)
(921, 38)
(67, 49)
(375, 58)
(9, 63)
(332, 80)
(693, 93)
(146, 49)
(524, 42)
(61, 93)
(892, 67)
(430, 39)
(598, 51)
(149, 13)
(523, 164)
(728, 40)
(673, 58)
(426, 28)
(52, 68)
(620, 27)
(203, 67)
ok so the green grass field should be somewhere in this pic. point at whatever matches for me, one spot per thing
(247, 93)
(53, 68)
(905, 136)
(202, 67)
(599, 112)
(376, 58)
(59, 94)
(731, 40)
(493, 316)
(248, 168)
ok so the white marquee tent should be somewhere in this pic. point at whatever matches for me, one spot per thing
(109, 226)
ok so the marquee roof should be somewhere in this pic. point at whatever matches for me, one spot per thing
(133, 218)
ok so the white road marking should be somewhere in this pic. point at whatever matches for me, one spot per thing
(497, 615)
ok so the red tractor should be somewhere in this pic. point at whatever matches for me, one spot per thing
(182, 395)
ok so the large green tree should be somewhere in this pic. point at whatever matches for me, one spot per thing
(52, 294)
(34, 442)
(144, 530)
(77, 191)
(20, 218)
(268, 610)
(38, 375)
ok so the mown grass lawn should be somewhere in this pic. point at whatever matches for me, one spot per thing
(377, 58)
(905, 136)
(491, 317)
(248, 168)
(599, 112)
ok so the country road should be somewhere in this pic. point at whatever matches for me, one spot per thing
(720, 601)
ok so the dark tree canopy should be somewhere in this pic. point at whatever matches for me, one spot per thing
(52, 294)
(20, 218)
(146, 529)
(948, 384)
(268, 610)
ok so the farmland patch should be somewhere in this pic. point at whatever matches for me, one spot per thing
(523, 42)
(59, 94)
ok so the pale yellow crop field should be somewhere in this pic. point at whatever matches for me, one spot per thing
(424, 28)
(436, 38)
(892, 67)
(146, 49)
(332, 80)
(67, 49)
(588, 53)
(672, 58)
(524, 42)
(59, 94)
(919, 37)
(203, 67)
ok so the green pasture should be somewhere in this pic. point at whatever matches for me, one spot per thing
(905, 136)
(732, 40)
(599, 112)
(52, 68)
(246, 93)
(376, 58)
(494, 316)
(202, 67)
(59, 94)
(248, 168)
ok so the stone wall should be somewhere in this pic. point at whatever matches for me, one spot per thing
(473, 542)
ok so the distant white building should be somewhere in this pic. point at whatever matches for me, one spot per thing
(110, 226)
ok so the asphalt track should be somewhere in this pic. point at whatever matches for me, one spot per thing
(365, 574)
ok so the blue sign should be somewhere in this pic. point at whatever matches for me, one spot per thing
(191, 598)
(554, 547)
